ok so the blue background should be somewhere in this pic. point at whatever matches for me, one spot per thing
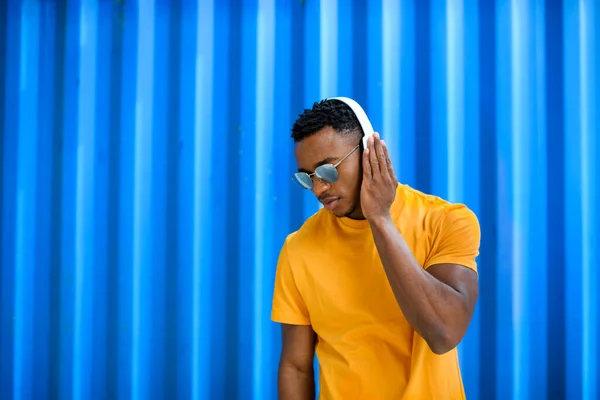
(146, 191)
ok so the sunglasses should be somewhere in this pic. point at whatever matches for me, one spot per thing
(326, 173)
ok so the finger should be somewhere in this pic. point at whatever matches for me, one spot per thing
(380, 155)
(390, 168)
(373, 158)
(383, 160)
(367, 174)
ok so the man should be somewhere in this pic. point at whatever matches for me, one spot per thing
(382, 281)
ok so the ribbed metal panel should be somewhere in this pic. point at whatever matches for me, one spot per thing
(146, 161)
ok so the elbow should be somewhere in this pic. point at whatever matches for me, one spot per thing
(441, 348)
(442, 342)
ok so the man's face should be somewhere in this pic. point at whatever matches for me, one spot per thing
(328, 147)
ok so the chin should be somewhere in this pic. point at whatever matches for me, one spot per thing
(342, 212)
(338, 214)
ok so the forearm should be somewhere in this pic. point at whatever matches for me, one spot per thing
(295, 384)
(429, 305)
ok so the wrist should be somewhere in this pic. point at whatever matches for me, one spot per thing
(379, 220)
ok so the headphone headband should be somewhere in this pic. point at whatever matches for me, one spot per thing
(360, 115)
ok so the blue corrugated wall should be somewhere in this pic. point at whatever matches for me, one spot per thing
(146, 191)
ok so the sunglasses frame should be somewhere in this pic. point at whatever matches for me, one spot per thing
(316, 173)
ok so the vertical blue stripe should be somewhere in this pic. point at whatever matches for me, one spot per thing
(25, 231)
(45, 243)
(50, 173)
(228, 146)
(594, 46)
(555, 214)
(472, 80)
(505, 350)
(439, 79)
(423, 96)
(537, 296)
(463, 150)
(328, 19)
(391, 33)
(374, 64)
(247, 193)
(84, 207)
(347, 48)
(185, 195)
(127, 17)
(285, 191)
(167, 322)
(488, 211)
(405, 144)
(202, 238)
(264, 149)
(589, 179)
(187, 336)
(103, 370)
(263, 223)
(573, 196)
(298, 87)
(68, 196)
(142, 202)
(313, 87)
(455, 102)
(3, 45)
(520, 176)
(359, 60)
(312, 54)
(157, 378)
(10, 138)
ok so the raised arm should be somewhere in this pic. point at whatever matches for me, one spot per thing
(438, 298)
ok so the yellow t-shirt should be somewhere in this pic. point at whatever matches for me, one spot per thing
(329, 275)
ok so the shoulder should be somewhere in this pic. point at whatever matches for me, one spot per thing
(455, 213)
(437, 215)
(301, 239)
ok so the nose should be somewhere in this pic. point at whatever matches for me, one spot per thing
(319, 187)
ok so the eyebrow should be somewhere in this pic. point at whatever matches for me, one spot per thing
(323, 161)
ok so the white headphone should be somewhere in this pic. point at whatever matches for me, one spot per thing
(360, 114)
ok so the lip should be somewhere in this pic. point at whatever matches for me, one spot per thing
(331, 203)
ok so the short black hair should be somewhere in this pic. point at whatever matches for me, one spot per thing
(333, 113)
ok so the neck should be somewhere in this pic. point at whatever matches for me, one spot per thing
(356, 214)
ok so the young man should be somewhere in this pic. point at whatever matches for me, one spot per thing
(382, 281)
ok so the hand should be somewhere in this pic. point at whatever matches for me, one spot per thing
(379, 181)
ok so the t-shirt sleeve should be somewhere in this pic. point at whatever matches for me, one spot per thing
(288, 305)
(457, 239)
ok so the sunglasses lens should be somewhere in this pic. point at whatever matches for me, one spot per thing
(303, 180)
(327, 173)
